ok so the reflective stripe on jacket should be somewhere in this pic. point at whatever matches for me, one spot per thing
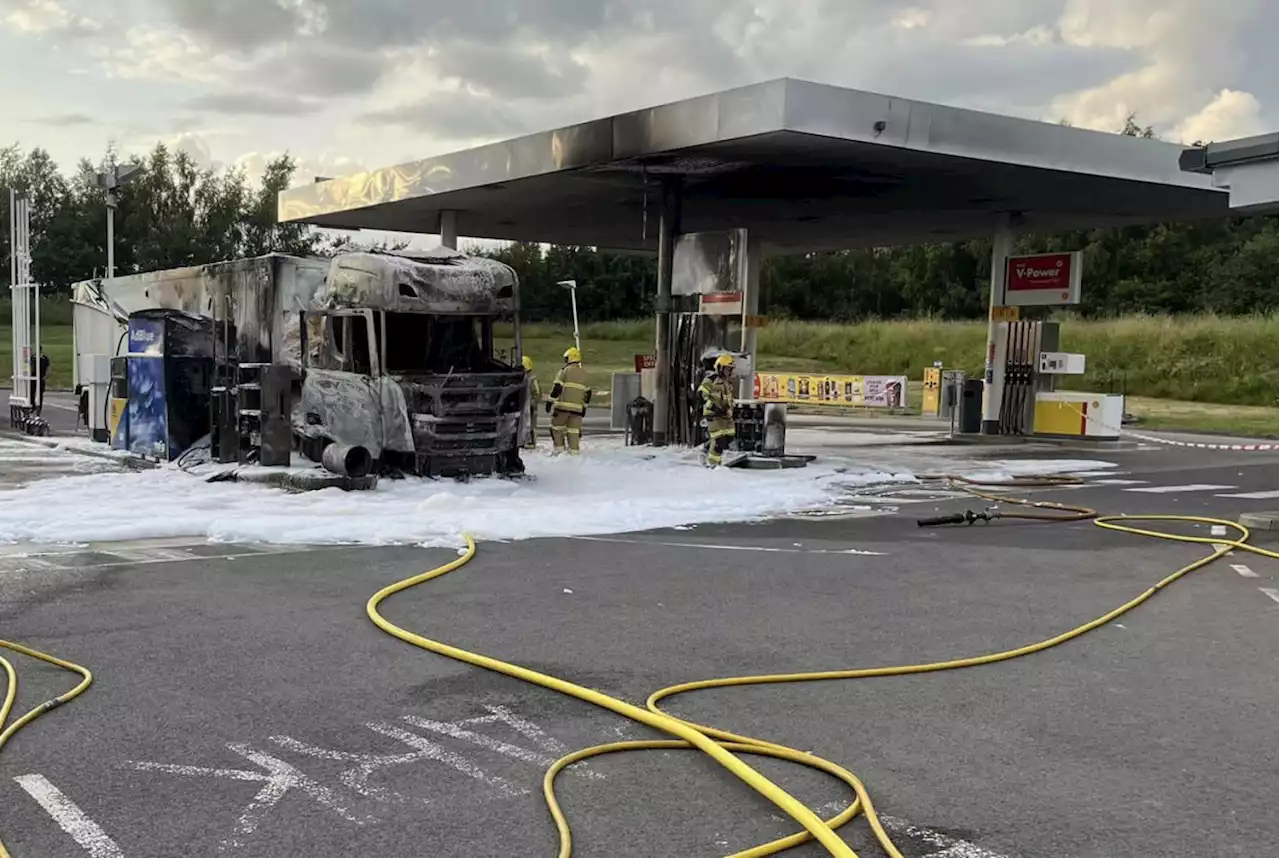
(570, 391)
(717, 397)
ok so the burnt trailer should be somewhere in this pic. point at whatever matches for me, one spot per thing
(394, 353)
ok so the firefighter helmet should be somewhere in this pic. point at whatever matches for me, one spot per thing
(724, 361)
(527, 363)
(573, 355)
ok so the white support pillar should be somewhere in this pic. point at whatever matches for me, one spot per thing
(993, 380)
(449, 229)
(750, 307)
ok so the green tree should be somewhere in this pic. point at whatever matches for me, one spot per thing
(263, 233)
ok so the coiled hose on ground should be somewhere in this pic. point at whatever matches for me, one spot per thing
(721, 745)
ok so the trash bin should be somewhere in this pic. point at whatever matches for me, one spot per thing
(639, 421)
(971, 407)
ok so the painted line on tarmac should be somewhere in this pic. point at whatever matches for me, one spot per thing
(277, 778)
(50, 560)
(70, 818)
(946, 845)
(1189, 487)
(1273, 593)
(1244, 571)
(722, 547)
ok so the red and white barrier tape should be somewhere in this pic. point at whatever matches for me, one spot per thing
(1198, 445)
(1246, 448)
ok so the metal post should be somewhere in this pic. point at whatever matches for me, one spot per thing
(449, 229)
(668, 229)
(111, 236)
(573, 299)
(993, 390)
(13, 294)
(750, 307)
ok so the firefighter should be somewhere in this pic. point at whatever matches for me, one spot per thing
(570, 396)
(717, 408)
(535, 396)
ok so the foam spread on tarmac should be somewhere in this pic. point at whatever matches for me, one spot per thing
(610, 489)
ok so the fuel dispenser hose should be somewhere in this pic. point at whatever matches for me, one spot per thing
(721, 745)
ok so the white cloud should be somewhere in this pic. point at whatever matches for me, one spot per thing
(448, 75)
(1185, 47)
(48, 16)
(1230, 114)
(151, 54)
(912, 17)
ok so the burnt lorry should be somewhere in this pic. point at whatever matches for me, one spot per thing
(392, 354)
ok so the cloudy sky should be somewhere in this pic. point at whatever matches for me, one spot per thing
(348, 84)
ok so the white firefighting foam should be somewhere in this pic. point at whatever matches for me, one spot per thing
(610, 489)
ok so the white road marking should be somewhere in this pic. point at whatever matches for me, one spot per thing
(277, 778)
(430, 750)
(719, 547)
(1268, 495)
(1274, 594)
(948, 846)
(1190, 487)
(71, 819)
(498, 746)
(1244, 571)
(1116, 482)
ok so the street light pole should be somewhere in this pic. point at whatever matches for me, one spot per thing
(111, 235)
(572, 286)
(111, 182)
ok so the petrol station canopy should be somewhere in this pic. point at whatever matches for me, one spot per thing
(802, 166)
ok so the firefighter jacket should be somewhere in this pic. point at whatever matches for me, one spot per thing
(570, 391)
(717, 398)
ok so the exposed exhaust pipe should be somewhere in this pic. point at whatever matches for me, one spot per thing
(347, 460)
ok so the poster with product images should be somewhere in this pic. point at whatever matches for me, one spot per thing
(873, 391)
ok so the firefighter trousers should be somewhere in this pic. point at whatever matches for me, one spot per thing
(531, 437)
(566, 427)
(721, 431)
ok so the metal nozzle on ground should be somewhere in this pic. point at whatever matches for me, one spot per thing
(967, 517)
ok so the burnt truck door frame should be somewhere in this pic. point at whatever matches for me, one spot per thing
(341, 397)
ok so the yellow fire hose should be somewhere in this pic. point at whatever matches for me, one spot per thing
(11, 695)
(721, 745)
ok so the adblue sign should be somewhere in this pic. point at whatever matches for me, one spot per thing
(1044, 279)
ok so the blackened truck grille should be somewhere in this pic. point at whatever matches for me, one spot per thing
(475, 414)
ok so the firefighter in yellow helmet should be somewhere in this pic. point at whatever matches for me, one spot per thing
(535, 396)
(570, 396)
(717, 408)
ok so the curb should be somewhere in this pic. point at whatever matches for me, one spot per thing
(1264, 521)
(52, 443)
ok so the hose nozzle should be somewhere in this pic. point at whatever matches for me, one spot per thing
(967, 517)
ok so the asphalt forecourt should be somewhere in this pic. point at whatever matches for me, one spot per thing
(243, 703)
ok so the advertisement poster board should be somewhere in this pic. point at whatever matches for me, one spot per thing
(1043, 279)
(146, 414)
(847, 391)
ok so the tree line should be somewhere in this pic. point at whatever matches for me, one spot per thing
(174, 214)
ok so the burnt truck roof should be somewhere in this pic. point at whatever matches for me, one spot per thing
(439, 281)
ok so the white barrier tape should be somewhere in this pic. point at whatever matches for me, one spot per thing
(1198, 445)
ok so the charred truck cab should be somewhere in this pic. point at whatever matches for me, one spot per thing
(398, 357)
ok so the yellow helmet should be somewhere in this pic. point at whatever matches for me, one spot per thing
(573, 355)
(527, 363)
(723, 361)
